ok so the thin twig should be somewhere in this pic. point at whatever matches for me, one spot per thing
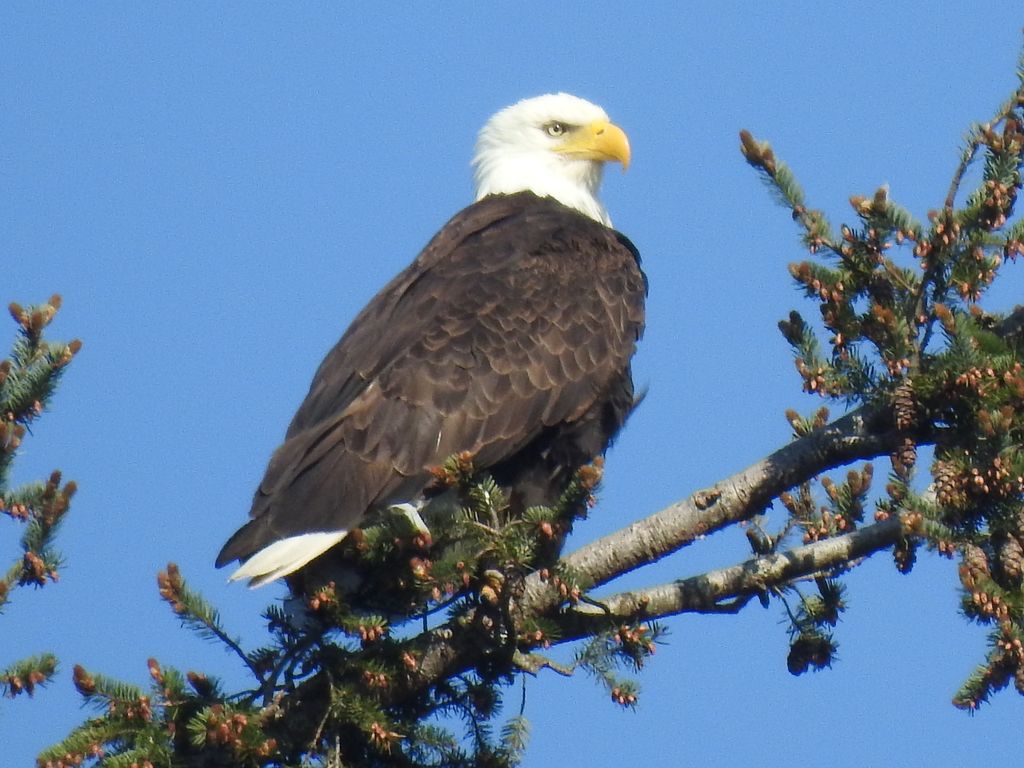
(976, 140)
(221, 635)
(958, 176)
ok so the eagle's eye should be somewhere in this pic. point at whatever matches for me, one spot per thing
(555, 129)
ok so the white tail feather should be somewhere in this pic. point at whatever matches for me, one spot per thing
(285, 556)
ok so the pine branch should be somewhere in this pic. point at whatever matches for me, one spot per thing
(28, 674)
(975, 140)
(861, 434)
(197, 614)
(707, 592)
(28, 379)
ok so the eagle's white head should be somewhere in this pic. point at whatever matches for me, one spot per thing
(554, 146)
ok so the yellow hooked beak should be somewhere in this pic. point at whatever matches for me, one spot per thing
(601, 140)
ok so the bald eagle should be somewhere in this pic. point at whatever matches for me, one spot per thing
(510, 337)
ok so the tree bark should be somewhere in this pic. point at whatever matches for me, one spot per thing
(706, 592)
(864, 433)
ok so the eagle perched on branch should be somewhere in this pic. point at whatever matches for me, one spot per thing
(509, 337)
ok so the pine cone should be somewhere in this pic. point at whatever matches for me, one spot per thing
(904, 457)
(807, 650)
(1018, 523)
(1009, 559)
(949, 487)
(975, 559)
(999, 672)
(904, 405)
(904, 554)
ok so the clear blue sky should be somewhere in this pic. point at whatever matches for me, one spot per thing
(216, 189)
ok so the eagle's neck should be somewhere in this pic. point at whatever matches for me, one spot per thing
(572, 182)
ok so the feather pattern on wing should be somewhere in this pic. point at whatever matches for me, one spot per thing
(510, 336)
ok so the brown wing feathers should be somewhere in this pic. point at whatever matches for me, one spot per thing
(516, 322)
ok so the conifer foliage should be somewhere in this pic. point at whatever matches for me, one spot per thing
(28, 378)
(902, 302)
(431, 628)
(341, 676)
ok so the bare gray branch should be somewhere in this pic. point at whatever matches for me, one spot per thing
(708, 592)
